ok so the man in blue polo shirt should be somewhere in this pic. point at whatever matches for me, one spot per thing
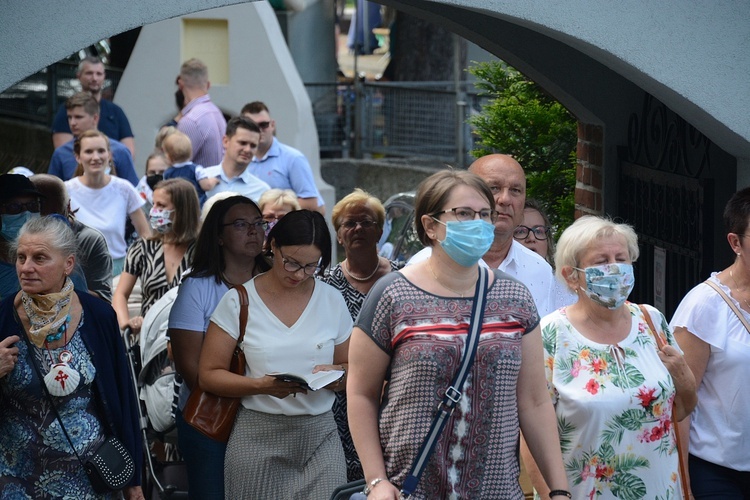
(83, 114)
(279, 165)
(112, 119)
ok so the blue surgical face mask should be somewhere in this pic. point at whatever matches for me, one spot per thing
(466, 242)
(609, 285)
(12, 224)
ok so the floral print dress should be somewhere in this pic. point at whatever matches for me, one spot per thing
(614, 409)
(36, 460)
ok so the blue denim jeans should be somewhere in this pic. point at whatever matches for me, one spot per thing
(204, 459)
(709, 481)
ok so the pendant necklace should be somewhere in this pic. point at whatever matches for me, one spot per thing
(461, 294)
(62, 378)
(737, 287)
(345, 267)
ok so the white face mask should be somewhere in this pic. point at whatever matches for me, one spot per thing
(609, 285)
(160, 220)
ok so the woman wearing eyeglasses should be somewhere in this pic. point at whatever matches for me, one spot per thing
(276, 203)
(284, 443)
(535, 232)
(358, 219)
(412, 329)
(228, 252)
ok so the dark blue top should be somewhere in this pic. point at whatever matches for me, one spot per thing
(114, 384)
(112, 121)
(187, 172)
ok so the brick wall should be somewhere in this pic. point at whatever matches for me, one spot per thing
(589, 170)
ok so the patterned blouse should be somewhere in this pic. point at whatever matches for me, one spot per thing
(354, 299)
(145, 260)
(477, 454)
(613, 406)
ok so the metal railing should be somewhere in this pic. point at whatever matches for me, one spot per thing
(407, 119)
(37, 97)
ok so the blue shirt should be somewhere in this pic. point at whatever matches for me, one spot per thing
(112, 121)
(284, 167)
(245, 184)
(63, 163)
(186, 171)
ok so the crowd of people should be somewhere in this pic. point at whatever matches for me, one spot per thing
(558, 368)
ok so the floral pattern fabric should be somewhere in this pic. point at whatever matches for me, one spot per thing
(614, 409)
(36, 461)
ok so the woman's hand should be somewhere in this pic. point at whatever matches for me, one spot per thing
(278, 388)
(336, 385)
(135, 324)
(133, 493)
(8, 354)
(384, 490)
(684, 380)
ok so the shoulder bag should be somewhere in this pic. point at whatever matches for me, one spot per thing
(445, 409)
(681, 457)
(214, 415)
(729, 302)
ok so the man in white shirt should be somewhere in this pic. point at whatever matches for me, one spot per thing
(507, 182)
(240, 143)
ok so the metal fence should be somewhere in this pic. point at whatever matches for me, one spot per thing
(414, 119)
(37, 97)
(407, 119)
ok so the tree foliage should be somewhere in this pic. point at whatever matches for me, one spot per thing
(522, 120)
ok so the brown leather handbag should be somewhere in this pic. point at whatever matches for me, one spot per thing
(214, 415)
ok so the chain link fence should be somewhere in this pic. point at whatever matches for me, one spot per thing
(406, 119)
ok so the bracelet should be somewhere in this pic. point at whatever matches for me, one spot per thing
(560, 493)
(372, 485)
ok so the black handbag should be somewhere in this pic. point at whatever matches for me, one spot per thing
(357, 490)
(110, 467)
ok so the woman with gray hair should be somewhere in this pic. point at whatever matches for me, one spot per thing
(59, 347)
(613, 387)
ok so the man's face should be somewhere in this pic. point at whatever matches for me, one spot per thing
(241, 147)
(508, 184)
(92, 77)
(20, 204)
(80, 121)
(267, 127)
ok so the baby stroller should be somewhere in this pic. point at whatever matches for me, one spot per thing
(154, 379)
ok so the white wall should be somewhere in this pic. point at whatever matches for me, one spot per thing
(261, 69)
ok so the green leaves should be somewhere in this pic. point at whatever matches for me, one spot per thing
(523, 121)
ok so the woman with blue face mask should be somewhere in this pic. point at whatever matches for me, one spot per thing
(614, 389)
(412, 329)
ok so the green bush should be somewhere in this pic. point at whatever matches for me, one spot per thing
(523, 121)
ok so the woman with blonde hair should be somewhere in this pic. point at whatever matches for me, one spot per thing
(276, 203)
(614, 387)
(101, 200)
(358, 220)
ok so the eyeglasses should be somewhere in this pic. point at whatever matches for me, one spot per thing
(293, 267)
(243, 225)
(352, 224)
(15, 208)
(466, 214)
(263, 125)
(272, 217)
(539, 232)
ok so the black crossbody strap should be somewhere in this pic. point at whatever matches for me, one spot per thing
(453, 393)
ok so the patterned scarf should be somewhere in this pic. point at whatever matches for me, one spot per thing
(47, 313)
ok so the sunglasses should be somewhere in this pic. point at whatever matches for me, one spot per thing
(263, 125)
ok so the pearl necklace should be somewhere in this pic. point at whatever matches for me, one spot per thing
(737, 287)
(345, 267)
(461, 294)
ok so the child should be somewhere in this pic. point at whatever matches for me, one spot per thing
(179, 151)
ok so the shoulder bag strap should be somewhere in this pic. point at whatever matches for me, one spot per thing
(452, 393)
(244, 302)
(681, 458)
(729, 302)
